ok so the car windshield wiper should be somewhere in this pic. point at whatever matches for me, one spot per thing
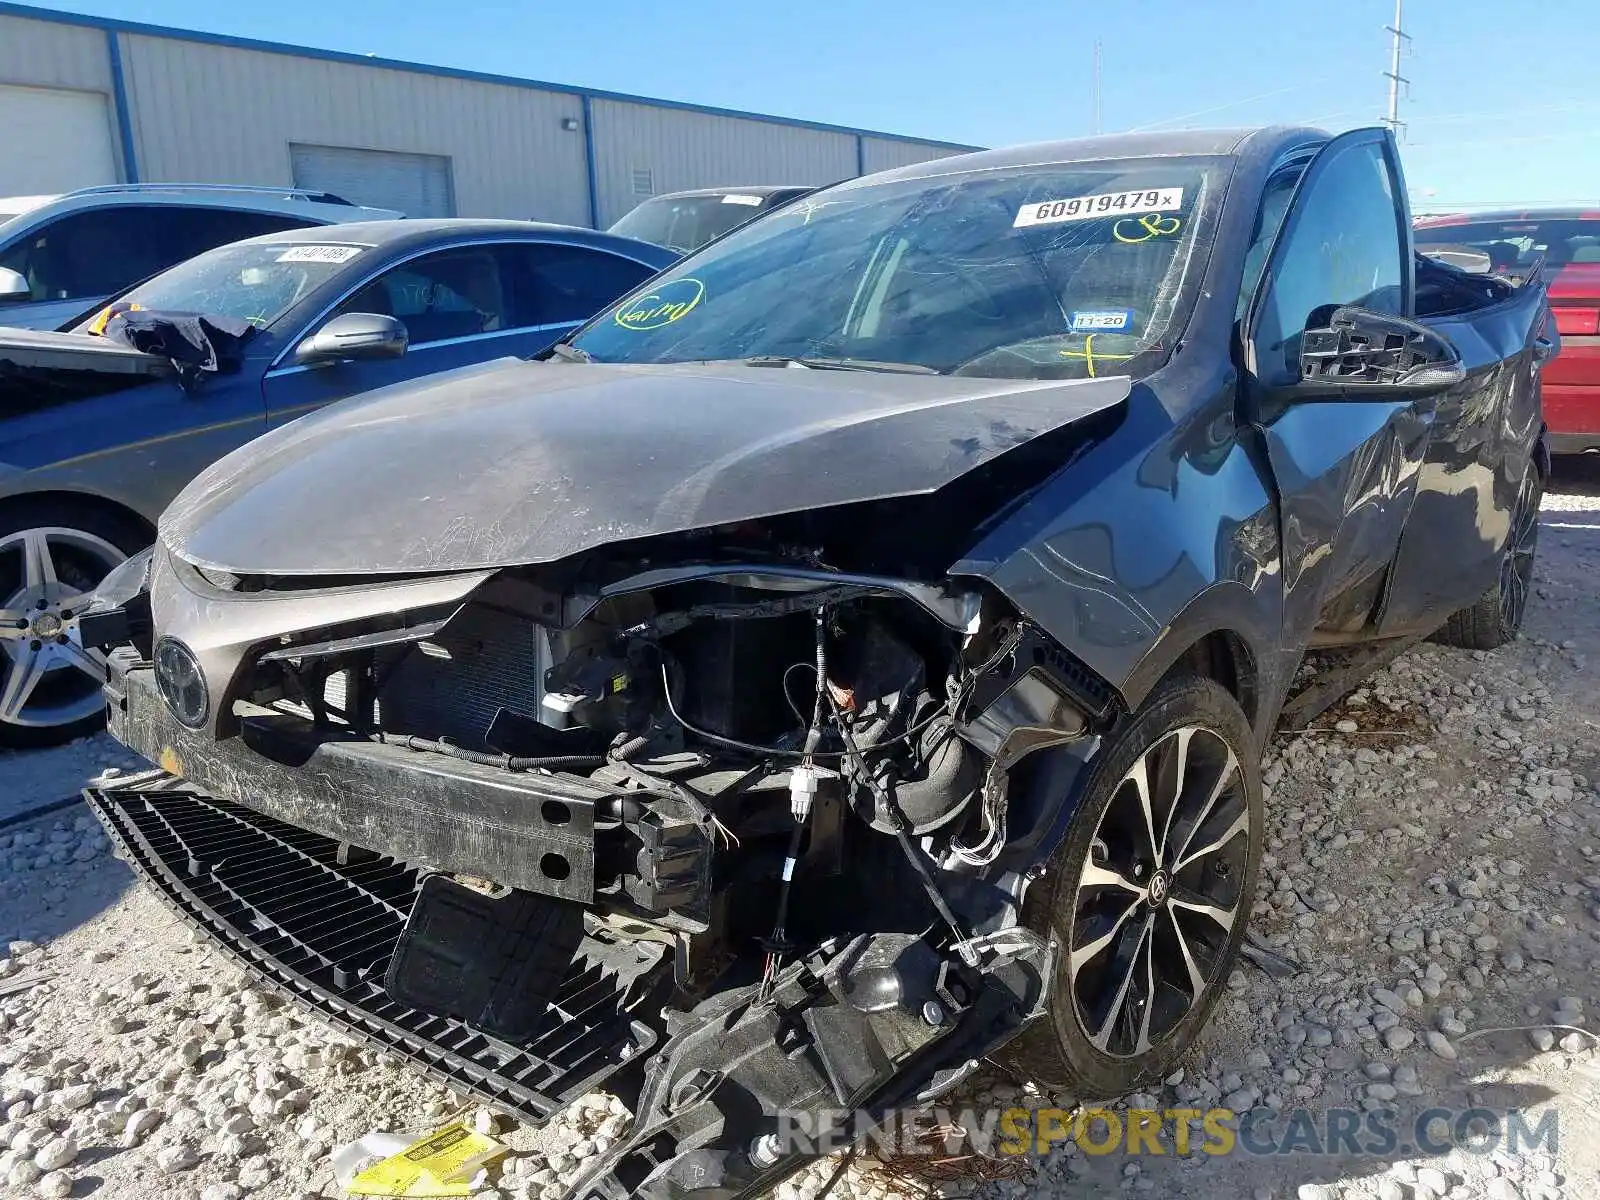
(567, 352)
(841, 364)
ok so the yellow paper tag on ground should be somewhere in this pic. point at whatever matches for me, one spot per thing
(441, 1164)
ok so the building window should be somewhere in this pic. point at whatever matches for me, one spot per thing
(644, 181)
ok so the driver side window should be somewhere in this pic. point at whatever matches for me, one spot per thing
(1343, 246)
(451, 294)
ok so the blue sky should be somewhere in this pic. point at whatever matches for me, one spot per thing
(1497, 107)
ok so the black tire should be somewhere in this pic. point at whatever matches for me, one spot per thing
(1059, 1051)
(1497, 616)
(92, 539)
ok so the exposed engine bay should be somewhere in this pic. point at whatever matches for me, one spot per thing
(784, 758)
(810, 796)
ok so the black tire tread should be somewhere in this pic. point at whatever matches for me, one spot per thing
(1038, 1053)
(1480, 625)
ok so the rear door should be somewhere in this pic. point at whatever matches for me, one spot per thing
(461, 305)
(1345, 469)
(1484, 444)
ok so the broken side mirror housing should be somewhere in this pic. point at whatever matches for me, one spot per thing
(352, 336)
(14, 286)
(1356, 351)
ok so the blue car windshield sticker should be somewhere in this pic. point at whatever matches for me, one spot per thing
(1109, 320)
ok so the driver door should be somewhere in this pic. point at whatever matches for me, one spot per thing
(456, 307)
(1345, 468)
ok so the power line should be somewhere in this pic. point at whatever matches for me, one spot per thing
(1096, 96)
(1216, 108)
(1396, 43)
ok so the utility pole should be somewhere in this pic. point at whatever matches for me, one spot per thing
(1399, 37)
(1095, 95)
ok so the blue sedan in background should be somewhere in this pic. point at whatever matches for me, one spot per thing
(97, 435)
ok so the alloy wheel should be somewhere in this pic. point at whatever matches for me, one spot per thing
(47, 677)
(1516, 568)
(1160, 892)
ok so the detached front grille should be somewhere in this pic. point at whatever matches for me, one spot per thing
(319, 926)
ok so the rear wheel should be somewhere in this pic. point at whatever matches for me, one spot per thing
(1497, 616)
(52, 554)
(1149, 896)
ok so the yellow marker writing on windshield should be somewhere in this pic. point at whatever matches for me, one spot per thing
(1090, 357)
(669, 302)
(1145, 228)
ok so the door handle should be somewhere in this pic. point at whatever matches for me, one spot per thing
(1543, 349)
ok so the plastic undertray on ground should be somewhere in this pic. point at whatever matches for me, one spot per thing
(318, 924)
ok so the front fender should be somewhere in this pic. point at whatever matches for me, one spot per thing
(1163, 533)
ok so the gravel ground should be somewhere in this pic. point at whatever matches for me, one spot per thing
(1433, 865)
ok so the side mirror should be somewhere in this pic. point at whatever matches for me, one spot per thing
(1358, 351)
(352, 336)
(14, 286)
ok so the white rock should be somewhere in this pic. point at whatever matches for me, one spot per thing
(73, 1098)
(253, 1175)
(220, 1191)
(1576, 1043)
(1542, 1039)
(175, 1158)
(22, 1173)
(486, 1122)
(1398, 1038)
(1433, 1179)
(54, 1186)
(140, 1124)
(1440, 1045)
(54, 1155)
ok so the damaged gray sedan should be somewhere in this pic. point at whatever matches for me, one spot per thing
(845, 659)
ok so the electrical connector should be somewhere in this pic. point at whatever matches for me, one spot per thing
(804, 778)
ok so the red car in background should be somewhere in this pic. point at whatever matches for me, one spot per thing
(1568, 241)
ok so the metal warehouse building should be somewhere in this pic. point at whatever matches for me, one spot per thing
(88, 100)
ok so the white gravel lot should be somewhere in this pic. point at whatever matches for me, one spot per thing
(1436, 872)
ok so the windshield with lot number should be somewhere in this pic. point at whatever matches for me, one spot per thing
(248, 282)
(1043, 272)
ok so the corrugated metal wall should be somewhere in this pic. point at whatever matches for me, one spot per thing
(44, 54)
(203, 111)
(216, 114)
(689, 149)
(884, 154)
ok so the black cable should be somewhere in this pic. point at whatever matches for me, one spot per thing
(505, 762)
(902, 833)
(838, 1173)
(780, 751)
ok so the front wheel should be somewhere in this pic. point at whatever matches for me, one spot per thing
(1149, 895)
(52, 554)
(1497, 616)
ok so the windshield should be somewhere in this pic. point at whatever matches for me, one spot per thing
(1516, 245)
(1042, 272)
(686, 223)
(248, 281)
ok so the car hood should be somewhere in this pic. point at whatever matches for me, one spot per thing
(524, 462)
(39, 350)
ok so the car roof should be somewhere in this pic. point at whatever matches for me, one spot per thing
(755, 189)
(287, 200)
(21, 204)
(1496, 215)
(1175, 143)
(415, 232)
